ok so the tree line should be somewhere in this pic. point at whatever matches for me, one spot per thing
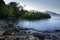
(13, 10)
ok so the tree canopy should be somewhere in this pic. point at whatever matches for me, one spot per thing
(12, 10)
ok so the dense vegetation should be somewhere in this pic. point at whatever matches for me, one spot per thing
(12, 10)
(36, 15)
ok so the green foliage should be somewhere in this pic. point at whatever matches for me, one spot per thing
(6, 11)
(16, 9)
(11, 10)
(35, 15)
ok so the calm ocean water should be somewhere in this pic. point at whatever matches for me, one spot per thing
(44, 24)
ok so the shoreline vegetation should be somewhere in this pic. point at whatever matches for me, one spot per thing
(13, 10)
(36, 15)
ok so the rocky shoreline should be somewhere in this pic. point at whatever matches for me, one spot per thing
(26, 34)
(17, 31)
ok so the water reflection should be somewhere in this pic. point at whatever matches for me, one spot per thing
(44, 24)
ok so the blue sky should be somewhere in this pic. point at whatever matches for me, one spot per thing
(40, 5)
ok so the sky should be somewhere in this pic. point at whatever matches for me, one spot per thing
(39, 5)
